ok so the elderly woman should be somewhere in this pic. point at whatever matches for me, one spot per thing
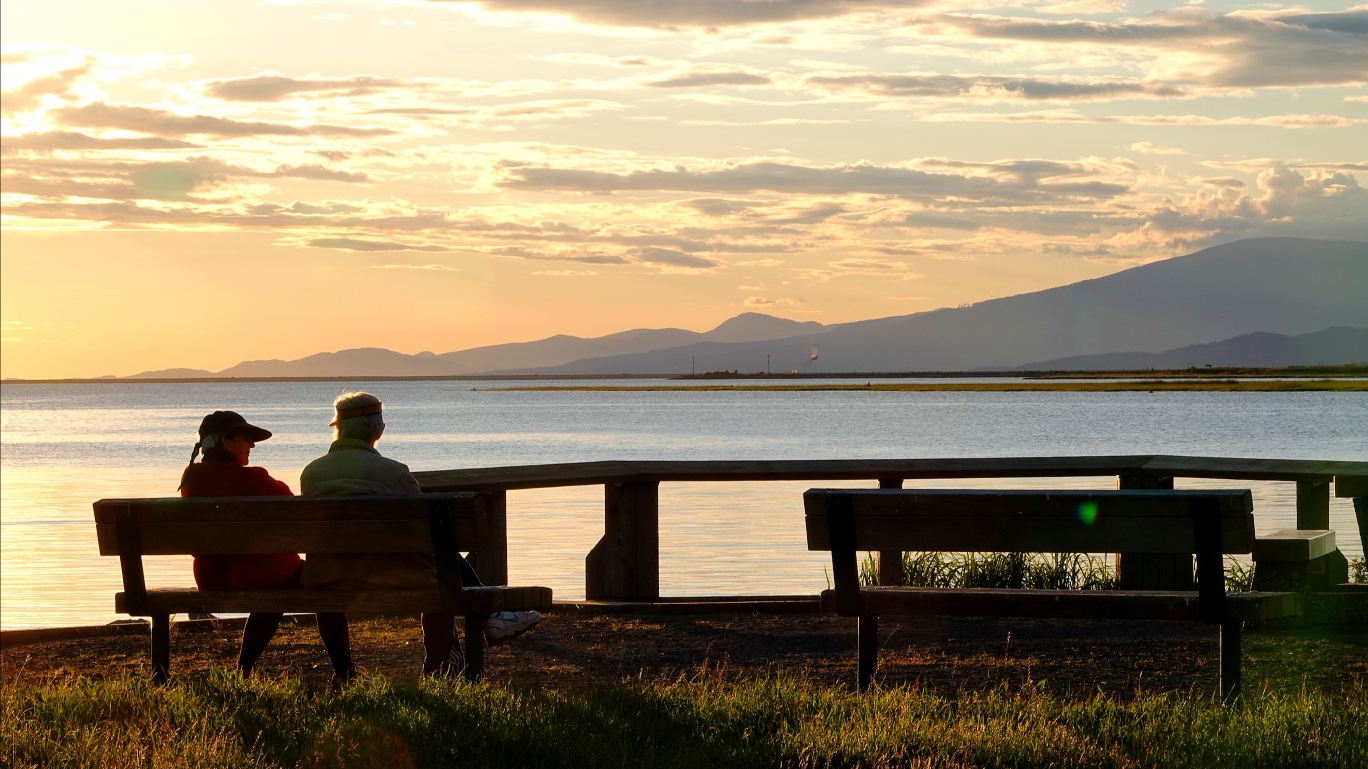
(354, 466)
(227, 440)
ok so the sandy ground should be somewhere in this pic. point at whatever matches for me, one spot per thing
(1077, 658)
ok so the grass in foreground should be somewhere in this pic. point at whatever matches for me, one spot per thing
(770, 721)
(1189, 385)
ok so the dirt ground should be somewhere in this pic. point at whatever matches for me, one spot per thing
(1075, 658)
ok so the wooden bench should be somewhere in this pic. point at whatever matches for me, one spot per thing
(443, 525)
(1208, 524)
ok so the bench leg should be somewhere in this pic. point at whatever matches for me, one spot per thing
(1230, 659)
(474, 646)
(869, 648)
(161, 648)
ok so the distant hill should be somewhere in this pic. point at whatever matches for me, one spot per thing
(1331, 347)
(552, 351)
(1284, 286)
(1274, 286)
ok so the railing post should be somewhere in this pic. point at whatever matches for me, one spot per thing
(1152, 571)
(1313, 504)
(625, 564)
(890, 561)
(491, 564)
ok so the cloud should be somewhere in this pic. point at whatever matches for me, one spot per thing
(703, 75)
(123, 180)
(603, 61)
(1150, 148)
(693, 14)
(1008, 181)
(1197, 47)
(429, 267)
(354, 244)
(72, 140)
(1325, 204)
(992, 88)
(29, 95)
(164, 123)
(1291, 120)
(272, 87)
(672, 258)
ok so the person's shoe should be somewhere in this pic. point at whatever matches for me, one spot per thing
(504, 626)
(344, 678)
(451, 667)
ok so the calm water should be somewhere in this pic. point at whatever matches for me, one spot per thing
(64, 446)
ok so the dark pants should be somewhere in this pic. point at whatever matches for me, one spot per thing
(261, 628)
(439, 628)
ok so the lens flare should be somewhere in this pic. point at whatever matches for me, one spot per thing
(1087, 512)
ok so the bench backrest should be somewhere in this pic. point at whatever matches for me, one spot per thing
(957, 520)
(441, 524)
(1205, 523)
(253, 525)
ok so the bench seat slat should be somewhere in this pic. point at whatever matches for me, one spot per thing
(244, 538)
(479, 599)
(1053, 534)
(1073, 604)
(1298, 545)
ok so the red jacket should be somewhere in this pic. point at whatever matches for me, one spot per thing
(219, 475)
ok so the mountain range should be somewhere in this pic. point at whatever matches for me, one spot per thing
(1240, 303)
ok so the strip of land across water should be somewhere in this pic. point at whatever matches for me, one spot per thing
(1204, 385)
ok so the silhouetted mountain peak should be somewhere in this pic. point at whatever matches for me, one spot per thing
(758, 327)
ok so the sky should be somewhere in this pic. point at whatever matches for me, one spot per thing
(196, 184)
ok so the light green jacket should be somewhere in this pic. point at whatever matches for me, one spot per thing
(353, 467)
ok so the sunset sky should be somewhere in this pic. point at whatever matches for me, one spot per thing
(195, 184)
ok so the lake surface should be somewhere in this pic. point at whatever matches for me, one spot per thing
(64, 446)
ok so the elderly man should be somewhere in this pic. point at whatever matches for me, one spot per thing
(353, 466)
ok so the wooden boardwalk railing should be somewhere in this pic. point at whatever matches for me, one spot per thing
(625, 564)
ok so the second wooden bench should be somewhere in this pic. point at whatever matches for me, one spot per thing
(1209, 524)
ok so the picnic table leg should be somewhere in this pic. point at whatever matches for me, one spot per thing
(161, 648)
(474, 643)
(1230, 659)
(869, 648)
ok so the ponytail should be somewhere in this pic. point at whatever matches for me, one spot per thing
(185, 475)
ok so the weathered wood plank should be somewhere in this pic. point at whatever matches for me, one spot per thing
(525, 476)
(1030, 521)
(479, 599)
(594, 473)
(1063, 604)
(1147, 504)
(1294, 545)
(960, 534)
(625, 564)
(1152, 571)
(315, 508)
(228, 538)
(1351, 486)
(1313, 504)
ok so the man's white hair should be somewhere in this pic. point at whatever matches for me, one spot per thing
(366, 427)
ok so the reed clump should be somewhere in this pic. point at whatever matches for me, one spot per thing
(1039, 571)
(703, 721)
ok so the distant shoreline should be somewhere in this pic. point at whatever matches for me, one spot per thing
(1296, 372)
(1192, 385)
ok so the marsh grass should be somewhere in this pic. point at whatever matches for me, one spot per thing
(1041, 571)
(774, 720)
(1038, 571)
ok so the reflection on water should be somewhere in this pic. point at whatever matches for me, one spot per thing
(65, 446)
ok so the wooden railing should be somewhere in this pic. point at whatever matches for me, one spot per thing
(625, 564)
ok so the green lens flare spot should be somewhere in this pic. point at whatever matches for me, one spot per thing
(1087, 512)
